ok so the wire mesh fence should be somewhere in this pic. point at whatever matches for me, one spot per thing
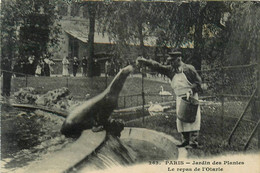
(135, 100)
(227, 91)
(231, 81)
(232, 84)
(233, 88)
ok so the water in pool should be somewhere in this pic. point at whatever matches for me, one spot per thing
(27, 136)
(146, 151)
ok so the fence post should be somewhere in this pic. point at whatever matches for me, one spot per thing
(124, 101)
(26, 82)
(257, 97)
(222, 101)
(106, 78)
(241, 116)
(143, 92)
(251, 135)
(255, 103)
(136, 100)
(131, 100)
(67, 82)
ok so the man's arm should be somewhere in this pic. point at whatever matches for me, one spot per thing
(154, 65)
(196, 80)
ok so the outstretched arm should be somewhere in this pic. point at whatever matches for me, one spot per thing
(194, 78)
(162, 69)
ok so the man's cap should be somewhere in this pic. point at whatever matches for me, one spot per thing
(173, 55)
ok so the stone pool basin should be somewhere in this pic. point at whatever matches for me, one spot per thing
(136, 146)
(158, 139)
(99, 151)
(92, 151)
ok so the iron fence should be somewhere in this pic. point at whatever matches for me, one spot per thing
(229, 92)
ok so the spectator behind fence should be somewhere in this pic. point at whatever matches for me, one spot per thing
(42, 63)
(96, 69)
(75, 66)
(84, 64)
(65, 69)
(39, 68)
(25, 64)
(30, 65)
(184, 81)
(22, 66)
(117, 66)
(107, 67)
(112, 69)
(51, 64)
(46, 66)
(38, 71)
(18, 69)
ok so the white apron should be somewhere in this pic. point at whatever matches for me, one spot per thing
(181, 86)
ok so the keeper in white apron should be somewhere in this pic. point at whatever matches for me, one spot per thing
(189, 131)
(184, 80)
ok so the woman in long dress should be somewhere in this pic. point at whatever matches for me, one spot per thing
(65, 69)
(184, 81)
(38, 71)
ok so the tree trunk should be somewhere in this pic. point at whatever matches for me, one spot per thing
(198, 45)
(6, 64)
(141, 38)
(258, 95)
(198, 40)
(92, 13)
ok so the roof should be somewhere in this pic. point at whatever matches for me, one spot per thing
(104, 39)
(98, 38)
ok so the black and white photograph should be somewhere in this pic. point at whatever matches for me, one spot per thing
(145, 86)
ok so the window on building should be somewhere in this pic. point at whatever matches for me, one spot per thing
(62, 9)
(75, 9)
(73, 47)
(85, 11)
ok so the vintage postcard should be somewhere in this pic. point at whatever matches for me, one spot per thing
(143, 86)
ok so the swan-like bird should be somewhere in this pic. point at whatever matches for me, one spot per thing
(155, 108)
(164, 93)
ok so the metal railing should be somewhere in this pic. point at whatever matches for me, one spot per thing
(226, 85)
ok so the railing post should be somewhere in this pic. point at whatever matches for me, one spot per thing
(143, 97)
(257, 97)
(124, 101)
(222, 102)
(26, 80)
(131, 100)
(67, 82)
(136, 100)
(240, 118)
(106, 78)
(251, 135)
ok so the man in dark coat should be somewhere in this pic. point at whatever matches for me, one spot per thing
(75, 66)
(31, 65)
(84, 65)
(97, 68)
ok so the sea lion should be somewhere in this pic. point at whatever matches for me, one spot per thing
(97, 110)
